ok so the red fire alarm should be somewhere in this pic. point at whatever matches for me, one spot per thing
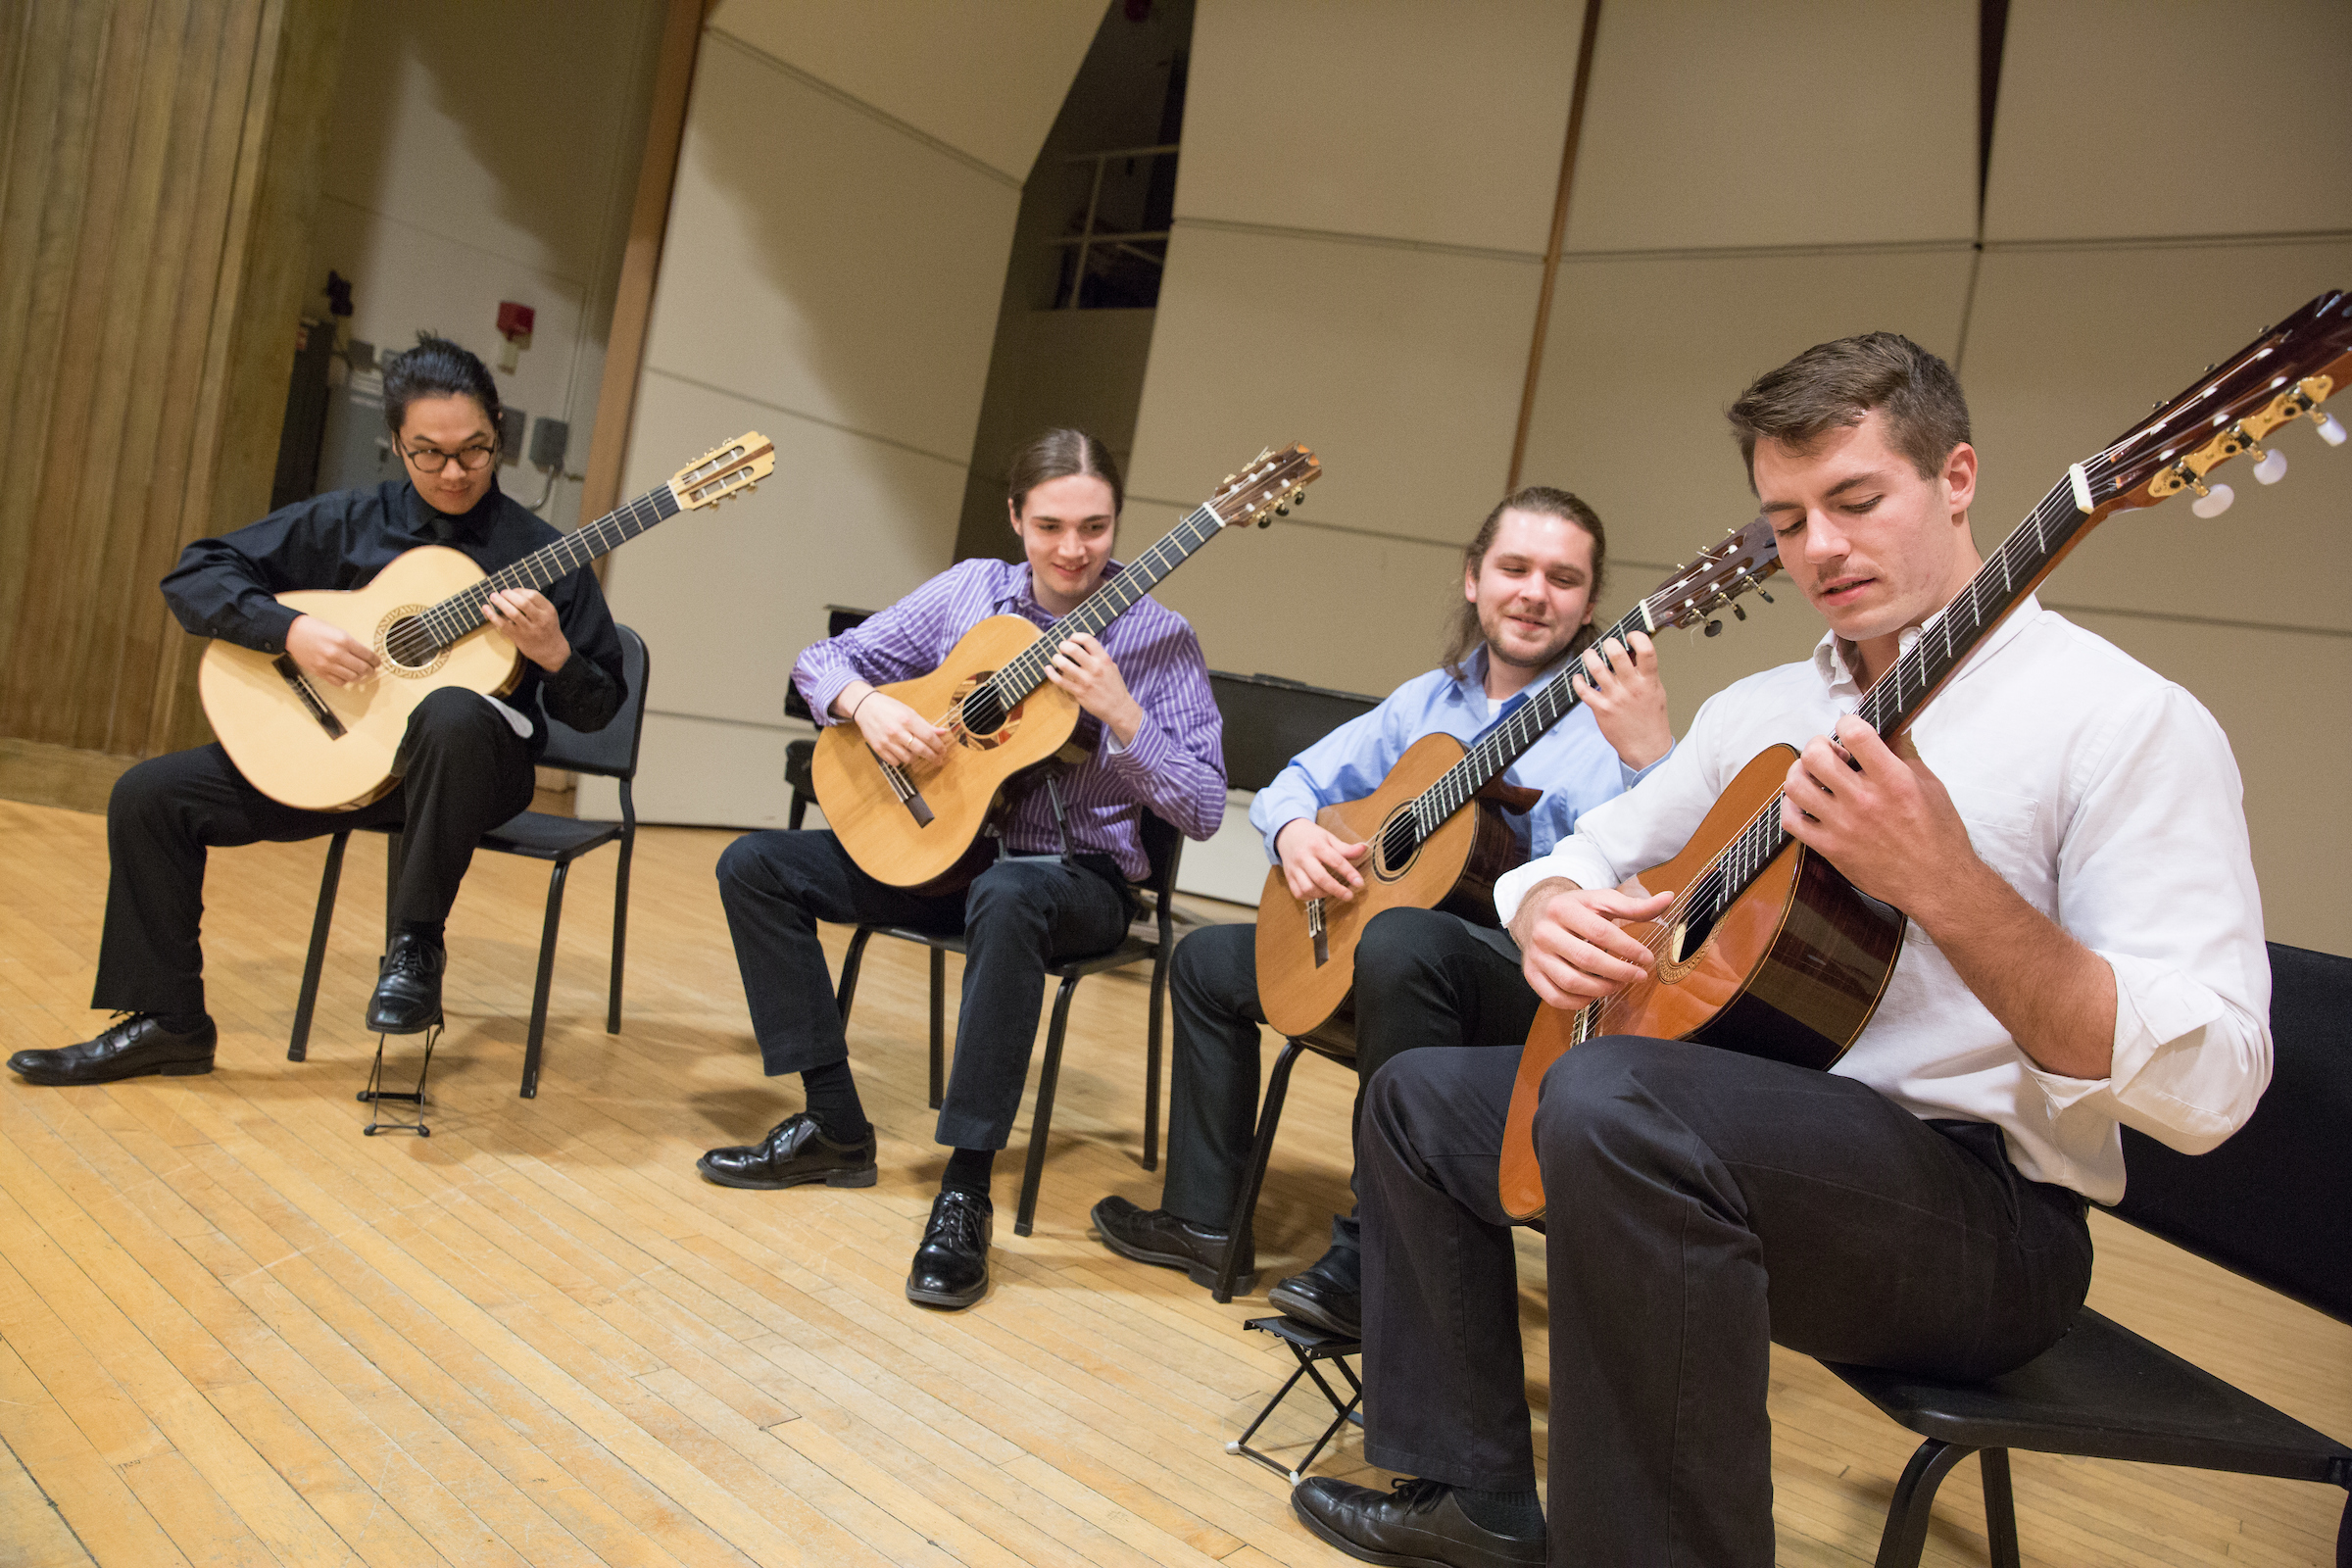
(514, 325)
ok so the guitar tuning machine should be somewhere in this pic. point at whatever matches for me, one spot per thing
(2330, 429)
(2211, 501)
(1755, 587)
(2268, 467)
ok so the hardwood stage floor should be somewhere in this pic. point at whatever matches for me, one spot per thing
(233, 1330)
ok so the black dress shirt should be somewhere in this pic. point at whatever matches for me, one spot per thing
(226, 587)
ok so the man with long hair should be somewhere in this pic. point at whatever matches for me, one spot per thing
(1530, 581)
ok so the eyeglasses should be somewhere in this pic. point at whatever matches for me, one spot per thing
(430, 460)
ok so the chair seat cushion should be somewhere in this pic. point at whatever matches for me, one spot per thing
(2105, 1392)
(549, 838)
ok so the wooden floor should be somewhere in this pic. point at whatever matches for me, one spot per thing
(233, 1330)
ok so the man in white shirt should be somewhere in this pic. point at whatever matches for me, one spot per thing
(2063, 829)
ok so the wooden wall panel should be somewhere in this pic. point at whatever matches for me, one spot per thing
(159, 173)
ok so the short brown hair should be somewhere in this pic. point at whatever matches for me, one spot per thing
(1057, 455)
(1462, 630)
(1833, 385)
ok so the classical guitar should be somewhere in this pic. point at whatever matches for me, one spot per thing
(1766, 947)
(326, 748)
(920, 827)
(1436, 826)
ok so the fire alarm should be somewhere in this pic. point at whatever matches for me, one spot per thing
(513, 326)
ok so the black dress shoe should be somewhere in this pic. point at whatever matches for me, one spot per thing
(1325, 1295)
(951, 1267)
(1155, 1236)
(794, 1151)
(133, 1047)
(407, 990)
(1419, 1525)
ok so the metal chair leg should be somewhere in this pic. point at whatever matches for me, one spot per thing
(1906, 1536)
(298, 1047)
(1151, 1042)
(396, 851)
(620, 928)
(845, 995)
(1041, 1123)
(2000, 1507)
(547, 976)
(939, 1027)
(1244, 1203)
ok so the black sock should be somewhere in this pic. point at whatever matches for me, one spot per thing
(1516, 1514)
(832, 1091)
(969, 1171)
(432, 931)
(182, 1023)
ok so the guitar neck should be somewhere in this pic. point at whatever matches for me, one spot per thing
(462, 612)
(1026, 672)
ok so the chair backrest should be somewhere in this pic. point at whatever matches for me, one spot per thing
(2273, 1201)
(1164, 847)
(837, 620)
(611, 752)
(1268, 720)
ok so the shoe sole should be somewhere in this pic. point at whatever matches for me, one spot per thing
(379, 1028)
(1313, 1317)
(951, 1300)
(168, 1069)
(1201, 1274)
(864, 1176)
(1387, 1559)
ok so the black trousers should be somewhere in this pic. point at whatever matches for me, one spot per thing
(465, 771)
(1017, 917)
(1422, 978)
(1701, 1207)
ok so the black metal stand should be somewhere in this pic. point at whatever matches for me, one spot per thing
(375, 1094)
(1309, 1345)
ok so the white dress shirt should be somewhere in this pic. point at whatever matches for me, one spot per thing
(2107, 796)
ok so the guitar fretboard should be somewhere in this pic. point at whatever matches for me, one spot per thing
(2022, 559)
(1025, 672)
(462, 612)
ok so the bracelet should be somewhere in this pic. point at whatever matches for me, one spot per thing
(860, 703)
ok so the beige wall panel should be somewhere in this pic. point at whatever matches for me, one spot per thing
(728, 598)
(704, 773)
(985, 76)
(1644, 355)
(2302, 856)
(1400, 368)
(1716, 122)
(2067, 349)
(1440, 123)
(821, 260)
(2120, 119)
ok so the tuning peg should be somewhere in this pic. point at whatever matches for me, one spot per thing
(2268, 467)
(1282, 509)
(2332, 429)
(1714, 626)
(2211, 503)
(1739, 612)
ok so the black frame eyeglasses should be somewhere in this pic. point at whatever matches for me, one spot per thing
(432, 460)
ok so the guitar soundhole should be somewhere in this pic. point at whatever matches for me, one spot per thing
(406, 647)
(983, 712)
(1397, 842)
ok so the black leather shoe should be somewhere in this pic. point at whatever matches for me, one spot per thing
(794, 1151)
(1325, 1295)
(408, 990)
(133, 1047)
(951, 1267)
(1419, 1525)
(1155, 1236)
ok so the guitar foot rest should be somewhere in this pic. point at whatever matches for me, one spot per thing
(1309, 1345)
(375, 1094)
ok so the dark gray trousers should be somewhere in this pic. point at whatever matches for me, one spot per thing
(1422, 978)
(465, 771)
(1017, 917)
(1701, 1206)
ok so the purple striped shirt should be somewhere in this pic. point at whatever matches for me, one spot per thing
(1176, 766)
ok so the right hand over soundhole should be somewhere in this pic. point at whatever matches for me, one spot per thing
(1572, 949)
(329, 652)
(898, 734)
(1317, 864)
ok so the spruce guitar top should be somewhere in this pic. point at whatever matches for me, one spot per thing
(321, 747)
(1766, 947)
(920, 827)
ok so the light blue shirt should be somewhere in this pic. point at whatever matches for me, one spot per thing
(1572, 764)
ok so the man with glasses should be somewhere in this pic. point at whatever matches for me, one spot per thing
(465, 762)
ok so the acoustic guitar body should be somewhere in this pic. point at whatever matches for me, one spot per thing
(1454, 870)
(1791, 971)
(885, 835)
(287, 748)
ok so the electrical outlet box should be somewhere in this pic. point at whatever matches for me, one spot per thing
(509, 435)
(549, 439)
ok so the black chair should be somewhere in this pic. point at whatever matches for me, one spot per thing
(1163, 846)
(2269, 1204)
(797, 755)
(608, 752)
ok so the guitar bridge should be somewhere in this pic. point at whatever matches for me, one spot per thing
(1315, 929)
(909, 796)
(312, 703)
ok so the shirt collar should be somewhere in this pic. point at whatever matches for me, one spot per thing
(1832, 655)
(471, 526)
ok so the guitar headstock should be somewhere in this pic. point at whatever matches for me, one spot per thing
(2284, 375)
(1273, 482)
(1735, 564)
(724, 470)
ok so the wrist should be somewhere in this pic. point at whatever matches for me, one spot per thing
(1127, 723)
